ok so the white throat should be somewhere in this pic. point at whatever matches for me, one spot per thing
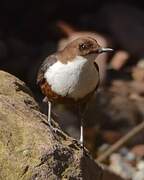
(75, 79)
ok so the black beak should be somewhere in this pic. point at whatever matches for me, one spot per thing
(103, 50)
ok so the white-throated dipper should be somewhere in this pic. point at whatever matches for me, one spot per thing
(71, 75)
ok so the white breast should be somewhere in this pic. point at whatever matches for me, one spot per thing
(75, 79)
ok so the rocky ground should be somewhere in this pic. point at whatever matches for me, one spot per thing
(29, 149)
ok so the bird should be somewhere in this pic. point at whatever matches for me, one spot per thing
(71, 75)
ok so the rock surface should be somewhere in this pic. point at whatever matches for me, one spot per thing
(28, 147)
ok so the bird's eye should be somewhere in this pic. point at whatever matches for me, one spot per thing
(83, 46)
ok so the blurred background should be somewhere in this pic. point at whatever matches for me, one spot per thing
(32, 30)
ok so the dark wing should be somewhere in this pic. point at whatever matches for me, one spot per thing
(50, 60)
(96, 66)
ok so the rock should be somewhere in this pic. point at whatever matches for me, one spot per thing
(28, 147)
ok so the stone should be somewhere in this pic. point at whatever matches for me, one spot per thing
(29, 149)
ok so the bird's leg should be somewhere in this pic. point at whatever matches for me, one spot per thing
(49, 113)
(53, 129)
(80, 116)
(81, 133)
(82, 108)
(49, 110)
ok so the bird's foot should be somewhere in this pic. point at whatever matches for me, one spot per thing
(54, 129)
(81, 145)
(78, 144)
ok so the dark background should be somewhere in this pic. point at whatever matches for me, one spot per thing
(29, 32)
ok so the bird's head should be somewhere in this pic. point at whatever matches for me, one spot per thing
(86, 47)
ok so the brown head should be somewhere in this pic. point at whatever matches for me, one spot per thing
(84, 46)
